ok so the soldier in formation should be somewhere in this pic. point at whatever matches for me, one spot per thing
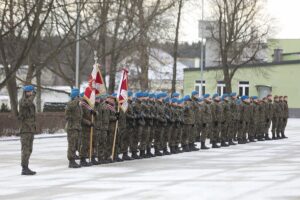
(156, 124)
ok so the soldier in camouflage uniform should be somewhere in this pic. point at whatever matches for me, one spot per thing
(86, 125)
(146, 128)
(199, 118)
(73, 114)
(168, 127)
(151, 104)
(282, 122)
(262, 121)
(239, 117)
(268, 109)
(232, 128)
(256, 119)
(217, 118)
(161, 123)
(245, 119)
(276, 110)
(174, 126)
(207, 120)
(28, 127)
(285, 116)
(251, 130)
(226, 120)
(194, 134)
(180, 108)
(130, 125)
(189, 122)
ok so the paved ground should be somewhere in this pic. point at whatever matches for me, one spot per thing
(264, 170)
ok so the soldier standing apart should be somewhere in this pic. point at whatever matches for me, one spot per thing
(276, 110)
(28, 127)
(73, 114)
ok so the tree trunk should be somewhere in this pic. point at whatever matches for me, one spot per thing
(12, 89)
(38, 91)
(227, 79)
(175, 53)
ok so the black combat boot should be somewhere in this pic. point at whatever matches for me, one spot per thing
(135, 155)
(173, 150)
(260, 138)
(203, 146)
(142, 154)
(94, 161)
(283, 135)
(267, 137)
(241, 141)
(193, 147)
(166, 152)
(158, 153)
(215, 145)
(278, 135)
(27, 171)
(100, 161)
(251, 139)
(117, 158)
(73, 164)
(224, 144)
(83, 163)
(231, 142)
(126, 157)
(177, 149)
(186, 148)
(274, 136)
(149, 153)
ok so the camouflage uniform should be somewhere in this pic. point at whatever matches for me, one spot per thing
(207, 121)
(111, 132)
(86, 124)
(138, 138)
(232, 128)
(130, 125)
(73, 114)
(256, 120)
(217, 119)
(161, 123)
(227, 120)
(168, 128)
(268, 109)
(251, 129)
(28, 127)
(246, 117)
(285, 117)
(189, 122)
(276, 110)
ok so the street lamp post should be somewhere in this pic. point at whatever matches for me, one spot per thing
(202, 48)
(77, 43)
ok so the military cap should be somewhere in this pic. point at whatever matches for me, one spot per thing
(206, 96)
(139, 94)
(233, 94)
(167, 100)
(175, 94)
(187, 98)
(244, 98)
(74, 93)
(215, 95)
(82, 94)
(151, 95)
(254, 97)
(28, 88)
(180, 101)
(129, 93)
(195, 93)
(174, 100)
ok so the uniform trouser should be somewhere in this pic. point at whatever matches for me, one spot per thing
(96, 133)
(72, 136)
(275, 125)
(166, 136)
(125, 140)
(131, 134)
(245, 130)
(159, 130)
(239, 129)
(173, 135)
(110, 140)
(26, 147)
(179, 135)
(152, 136)
(252, 129)
(145, 133)
(194, 133)
(280, 125)
(101, 144)
(215, 130)
(261, 125)
(137, 137)
(267, 126)
(235, 129)
(205, 132)
(85, 141)
(224, 131)
(284, 124)
(187, 129)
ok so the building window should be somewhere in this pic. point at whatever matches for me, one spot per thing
(221, 89)
(244, 88)
(198, 86)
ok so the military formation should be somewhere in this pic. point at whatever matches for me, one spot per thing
(155, 124)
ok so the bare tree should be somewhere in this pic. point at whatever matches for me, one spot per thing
(239, 33)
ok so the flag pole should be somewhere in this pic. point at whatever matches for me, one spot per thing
(91, 139)
(115, 135)
(92, 129)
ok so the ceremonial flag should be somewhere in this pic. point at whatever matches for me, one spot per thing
(96, 86)
(122, 95)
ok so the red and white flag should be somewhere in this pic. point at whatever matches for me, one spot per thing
(96, 86)
(122, 95)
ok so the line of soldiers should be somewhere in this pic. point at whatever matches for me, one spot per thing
(157, 125)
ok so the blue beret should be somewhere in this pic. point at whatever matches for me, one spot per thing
(164, 94)
(244, 97)
(145, 94)
(254, 97)
(28, 88)
(175, 94)
(129, 94)
(215, 95)
(233, 94)
(74, 93)
(152, 95)
(174, 100)
(187, 98)
(180, 101)
(82, 94)
(139, 94)
(206, 96)
(114, 94)
(195, 93)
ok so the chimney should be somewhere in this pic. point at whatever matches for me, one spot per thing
(277, 57)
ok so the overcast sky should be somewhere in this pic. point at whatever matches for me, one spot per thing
(286, 14)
